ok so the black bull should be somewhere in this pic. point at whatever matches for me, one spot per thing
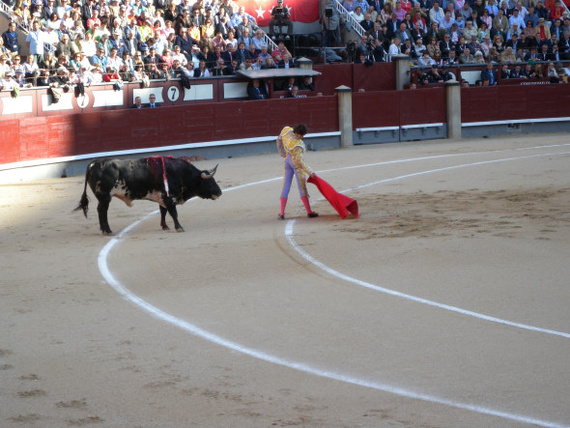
(168, 181)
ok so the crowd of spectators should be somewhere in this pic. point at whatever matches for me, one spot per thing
(82, 42)
(456, 32)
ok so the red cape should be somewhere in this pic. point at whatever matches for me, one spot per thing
(341, 203)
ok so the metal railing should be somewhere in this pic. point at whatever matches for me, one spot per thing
(8, 11)
(349, 20)
(270, 43)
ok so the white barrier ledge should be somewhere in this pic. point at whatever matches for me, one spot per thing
(516, 121)
(382, 129)
(425, 125)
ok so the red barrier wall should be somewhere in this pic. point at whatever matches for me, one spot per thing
(376, 77)
(75, 134)
(512, 102)
(398, 108)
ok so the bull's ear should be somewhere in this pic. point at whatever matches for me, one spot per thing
(209, 174)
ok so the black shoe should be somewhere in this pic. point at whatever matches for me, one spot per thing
(281, 217)
(312, 215)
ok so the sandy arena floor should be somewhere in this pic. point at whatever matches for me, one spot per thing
(444, 305)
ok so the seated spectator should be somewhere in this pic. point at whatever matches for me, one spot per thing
(154, 72)
(542, 32)
(508, 56)
(177, 55)
(489, 75)
(100, 58)
(7, 81)
(516, 72)
(202, 71)
(49, 62)
(88, 46)
(544, 55)
(246, 65)
(253, 54)
(151, 58)
(138, 103)
(207, 56)
(563, 72)
(31, 69)
(233, 67)
(307, 84)
(126, 74)
(551, 73)
(479, 58)
(527, 72)
(278, 52)
(259, 41)
(256, 90)
(294, 93)
(4, 65)
(258, 64)
(505, 73)
(466, 57)
(220, 69)
(152, 101)
(434, 75)
(433, 49)
(394, 49)
(564, 46)
(425, 60)
(445, 46)
(111, 75)
(269, 64)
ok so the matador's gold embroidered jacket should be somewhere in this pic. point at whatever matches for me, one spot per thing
(295, 147)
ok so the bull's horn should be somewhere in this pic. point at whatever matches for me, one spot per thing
(210, 173)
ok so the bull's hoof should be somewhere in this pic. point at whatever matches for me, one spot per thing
(108, 233)
(180, 229)
(165, 227)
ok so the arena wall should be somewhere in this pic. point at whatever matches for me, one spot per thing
(214, 119)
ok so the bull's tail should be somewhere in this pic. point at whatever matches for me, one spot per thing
(84, 201)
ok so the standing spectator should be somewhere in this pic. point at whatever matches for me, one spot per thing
(10, 38)
(36, 39)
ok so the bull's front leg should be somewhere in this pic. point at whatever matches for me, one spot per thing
(171, 208)
(102, 209)
(163, 224)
